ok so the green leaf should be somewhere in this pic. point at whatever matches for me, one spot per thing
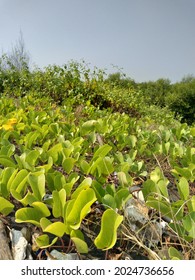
(67, 151)
(72, 179)
(28, 199)
(161, 206)
(101, 166)
(77, 233)
(109, 201)
(44, 223)
(156, 175)
(85, 184)
(105, 166)
(191, 204)
(133, 140)
(78, 239)
(94, 166)
(32, 157)
(149, 188)
(56, 228)
(84, 166)
(80, 208)
(54, 127)
(32, 214)
(107, 237)
(166, 147)
(88, 126)
(43, 241)
(6, 207)
(81, 245)
(6, 174)
(99, 190)
(7, 161)
(7, 150)
(22, 163)
(54, 151)
(192, 131)
(18, 186)
(59, 201)
(110, 189)
(68, 164)
(184, 172)
(19, 161)
(189, 224)
(31, 138)
(57, 207)
(59, 181)
(174, 254)
(102, 151)
(9, 183)
(162, 185)
(183, 188)
(37, 183)
(122, 178)
(47, 166)
(180, 230)
(92, 137)
(121, 197)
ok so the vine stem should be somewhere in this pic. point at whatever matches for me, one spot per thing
(158, 163)
(106, 255)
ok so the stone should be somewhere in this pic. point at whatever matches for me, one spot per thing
(19, 244)
(61, 256)
(138, 221)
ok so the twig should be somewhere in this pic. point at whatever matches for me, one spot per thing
(132, 237)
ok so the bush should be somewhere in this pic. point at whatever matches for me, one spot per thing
(182, 99)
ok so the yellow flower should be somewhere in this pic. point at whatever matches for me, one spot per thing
(9, 124)
(7, 127)
(12, 121)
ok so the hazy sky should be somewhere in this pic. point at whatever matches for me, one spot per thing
(149, 39)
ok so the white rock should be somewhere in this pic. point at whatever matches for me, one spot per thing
(136, 214)
(19, 244)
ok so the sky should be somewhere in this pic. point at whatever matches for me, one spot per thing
(145, 39)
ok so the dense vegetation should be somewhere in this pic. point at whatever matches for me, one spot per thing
(76, 145)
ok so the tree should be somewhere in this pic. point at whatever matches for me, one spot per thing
(181, 99)
(18, 59)
(14, 69)
(119, 79)
(156, 91)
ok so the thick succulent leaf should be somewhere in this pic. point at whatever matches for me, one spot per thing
(102, 151)
(43, 241)
(37, 183)
(68, 164)
(183, 188)
(59, 201)
(174, 254)
(32, 214)
(6, 207)
(7, 161)
(20, 180)
(85, 184)
(78, 239)
(109, 201)
(80, 208)
(56, 228)
(189, 224)
(107, 237)
(5, 176)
